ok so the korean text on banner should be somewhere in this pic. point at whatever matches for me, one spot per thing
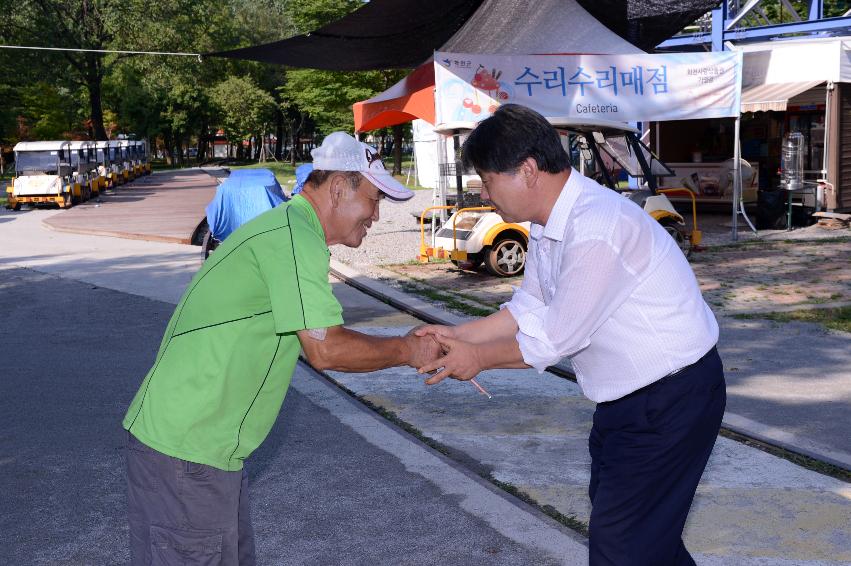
(627, 88)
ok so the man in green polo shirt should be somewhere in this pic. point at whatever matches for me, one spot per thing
(229, 352)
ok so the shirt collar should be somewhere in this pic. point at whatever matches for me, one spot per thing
(557, 222)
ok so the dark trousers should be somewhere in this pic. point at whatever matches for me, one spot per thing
(186, 513)
(648, 451)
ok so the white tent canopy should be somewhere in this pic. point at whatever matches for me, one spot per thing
(775, 72)
(548, 26)
(545, 26)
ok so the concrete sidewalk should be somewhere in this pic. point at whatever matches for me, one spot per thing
(165, 207)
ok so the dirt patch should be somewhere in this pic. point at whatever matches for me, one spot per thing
(764, 276)
(754, 276)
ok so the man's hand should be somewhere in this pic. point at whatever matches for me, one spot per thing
(423, 350)
(461, 361)
(434, 330)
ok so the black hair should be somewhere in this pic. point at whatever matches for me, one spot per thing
(319, 176)
(499, 144)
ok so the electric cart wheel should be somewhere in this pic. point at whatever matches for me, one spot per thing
(209, 244)
(506, 257)
(680, 236)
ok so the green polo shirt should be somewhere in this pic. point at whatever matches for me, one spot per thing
(230, 349)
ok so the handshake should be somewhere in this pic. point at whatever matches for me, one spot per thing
(436, 350)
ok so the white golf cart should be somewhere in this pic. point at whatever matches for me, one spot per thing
(85, 165)
(43, 175)
(473, 234)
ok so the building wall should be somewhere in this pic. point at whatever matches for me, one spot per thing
(841, 150)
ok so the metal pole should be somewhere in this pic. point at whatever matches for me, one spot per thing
(737, 178)
(828, 95)
(459, 181)
(657, 139)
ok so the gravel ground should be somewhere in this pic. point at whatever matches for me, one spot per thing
(395, 238)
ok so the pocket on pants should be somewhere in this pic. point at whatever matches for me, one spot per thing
(171, 546)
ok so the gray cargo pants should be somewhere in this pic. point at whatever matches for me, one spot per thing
(185, 513)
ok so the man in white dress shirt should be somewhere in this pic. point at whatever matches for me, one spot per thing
(607, 287)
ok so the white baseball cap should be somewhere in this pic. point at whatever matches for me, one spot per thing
(341, 152)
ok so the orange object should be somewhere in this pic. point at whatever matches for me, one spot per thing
(410, 98)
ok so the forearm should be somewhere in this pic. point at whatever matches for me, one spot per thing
(350, 351)
(503, 353)
(497, 327)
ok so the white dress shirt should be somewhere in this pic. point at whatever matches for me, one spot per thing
(608, 287)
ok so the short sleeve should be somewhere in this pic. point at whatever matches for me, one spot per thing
(294, 263)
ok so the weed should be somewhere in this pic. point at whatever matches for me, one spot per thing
(570, 522)
(794, 457)
(448, 301)
(836, 318)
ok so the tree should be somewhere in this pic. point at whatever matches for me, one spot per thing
(75, 24)
(43, 108)
(243, 109)
(327, 96)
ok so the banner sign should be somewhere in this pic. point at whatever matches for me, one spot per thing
(626, 88)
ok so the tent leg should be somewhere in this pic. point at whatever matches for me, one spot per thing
(738, 199)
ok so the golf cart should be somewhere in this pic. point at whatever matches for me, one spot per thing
(469, 233)
(85, 168)
(43, 175)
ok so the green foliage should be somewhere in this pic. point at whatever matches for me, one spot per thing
(174, 101)
(308, 15)
(45, 112)
(243, 107)
(9, 111)
(327, 96)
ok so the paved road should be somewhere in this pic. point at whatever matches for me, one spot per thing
(333, 484)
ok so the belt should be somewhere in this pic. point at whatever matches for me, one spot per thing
(662, 379)
(684, 368)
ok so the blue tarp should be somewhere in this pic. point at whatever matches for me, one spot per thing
(246, 193)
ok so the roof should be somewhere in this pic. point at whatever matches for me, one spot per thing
(394, 34)
(383, 34)
(535, 27)
(41, 145)
(81, 144)
(512, 28)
